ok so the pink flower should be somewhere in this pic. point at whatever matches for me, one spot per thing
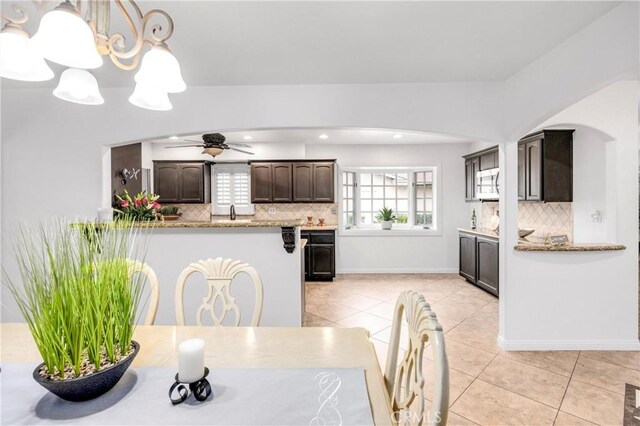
(155, 205)
(138, 202)
(124, 203)
(144, 200)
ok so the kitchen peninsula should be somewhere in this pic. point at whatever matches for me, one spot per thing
(272, 247)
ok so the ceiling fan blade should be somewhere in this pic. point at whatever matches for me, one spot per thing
(191, 140)
(244, 145)
(241, 150)
(184, 146)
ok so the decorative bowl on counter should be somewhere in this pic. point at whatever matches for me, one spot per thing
(525, 232)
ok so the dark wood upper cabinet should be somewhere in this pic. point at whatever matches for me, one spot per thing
(521, 172)
(182, 182)
(282, 183)
(473, 163)
(261, 182)
(489, 160)
(295, 181)
(166, 178)
(545, 166)
(303, 182)
(191, 183)
(323, 183)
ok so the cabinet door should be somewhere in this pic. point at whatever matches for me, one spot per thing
(522, 176)
(302, 182)
(488, 161)
(261, 183)
(475, 168)
(322, 260)
(281, 183)
(468, 182)
(533, 170)
(191, 183)
(307, 262)
(323, 183)
(487, 252)
(468, 257)
(165, 182)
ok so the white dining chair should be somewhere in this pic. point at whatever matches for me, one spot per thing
(405, 382)
(219, 274)
(137, 267)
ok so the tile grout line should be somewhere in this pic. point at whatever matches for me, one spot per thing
(568, 384)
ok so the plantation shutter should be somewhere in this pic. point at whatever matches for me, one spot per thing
(231, 185)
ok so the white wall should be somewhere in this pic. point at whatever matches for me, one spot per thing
(405, 254)
(582, 300)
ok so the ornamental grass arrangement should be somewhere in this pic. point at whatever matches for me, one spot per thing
(141, 207)
(77, 295)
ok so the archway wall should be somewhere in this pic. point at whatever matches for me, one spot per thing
(578, 300)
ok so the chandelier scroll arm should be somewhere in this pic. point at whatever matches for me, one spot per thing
(21, 19)
(116, 41)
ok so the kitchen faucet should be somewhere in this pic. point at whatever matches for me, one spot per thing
(232, 212)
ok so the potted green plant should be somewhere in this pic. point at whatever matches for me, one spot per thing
(386, 217)
(80, 303)
(141, 207)
(170, 213)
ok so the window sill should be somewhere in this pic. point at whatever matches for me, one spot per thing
(393, 232)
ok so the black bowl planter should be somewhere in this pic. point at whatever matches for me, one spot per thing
(87, 387)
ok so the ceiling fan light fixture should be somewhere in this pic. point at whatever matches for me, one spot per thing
(213, 150)
(150, 97)
(65, 38)
(19, 60)
(161, 69)
(78, 86)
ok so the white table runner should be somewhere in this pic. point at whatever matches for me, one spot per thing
(241, 396)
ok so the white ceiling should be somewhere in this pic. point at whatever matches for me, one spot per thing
(247, 43)
(310, 136)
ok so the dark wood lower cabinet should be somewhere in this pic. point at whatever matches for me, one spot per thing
(487, 259)
(479, 263)
(319, 255)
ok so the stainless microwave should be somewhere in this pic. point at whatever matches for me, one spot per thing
(487, 187)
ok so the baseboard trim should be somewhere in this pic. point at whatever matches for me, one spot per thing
(568, 345)
(398, 271)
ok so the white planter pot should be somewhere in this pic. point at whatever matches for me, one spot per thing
(386, 224)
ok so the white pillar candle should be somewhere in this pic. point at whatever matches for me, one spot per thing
(191, 360)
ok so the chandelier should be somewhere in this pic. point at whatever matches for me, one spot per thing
(79, 42)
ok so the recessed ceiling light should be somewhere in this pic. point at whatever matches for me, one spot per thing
(174, 138)
(247, 138)
(323, 136)
(397, 136)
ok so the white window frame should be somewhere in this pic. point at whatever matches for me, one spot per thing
(408, 229)
(233, 168)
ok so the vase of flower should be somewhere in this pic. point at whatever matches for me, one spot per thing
(141, 207)
(80, 302)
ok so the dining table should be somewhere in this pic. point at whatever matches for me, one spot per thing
(240, 348)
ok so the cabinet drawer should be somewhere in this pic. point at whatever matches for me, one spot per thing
(322, 237)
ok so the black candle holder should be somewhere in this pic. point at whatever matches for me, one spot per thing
(201, 389)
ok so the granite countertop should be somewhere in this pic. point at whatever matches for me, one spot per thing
(532, 246)
(484, 232)
(319, 228)
(239, 223)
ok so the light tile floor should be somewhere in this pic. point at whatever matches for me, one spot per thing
(488, 386)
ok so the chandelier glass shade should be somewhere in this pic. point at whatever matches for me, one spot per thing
(79, 39)
(66, 39)
(150, 97)
(78, 86)
(19, 60)
(161, 69)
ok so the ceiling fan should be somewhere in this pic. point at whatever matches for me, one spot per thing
(214, 144)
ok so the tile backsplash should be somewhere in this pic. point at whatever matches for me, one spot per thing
(201, 212)
(544, 218)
